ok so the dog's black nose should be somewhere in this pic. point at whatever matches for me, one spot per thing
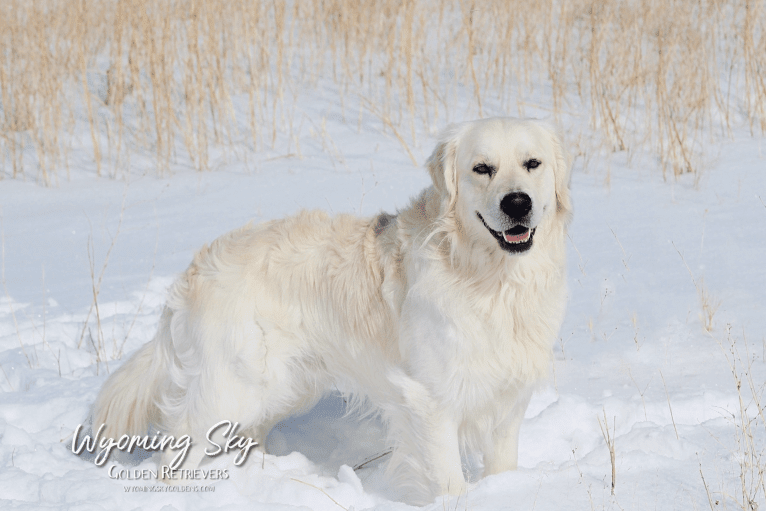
(516, 205)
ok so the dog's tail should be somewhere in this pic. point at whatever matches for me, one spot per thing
(127, 403)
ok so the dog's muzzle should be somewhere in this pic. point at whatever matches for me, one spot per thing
(515, 240)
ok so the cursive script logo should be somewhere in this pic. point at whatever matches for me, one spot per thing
(160, 442)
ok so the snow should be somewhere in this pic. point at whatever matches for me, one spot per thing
(634, 350)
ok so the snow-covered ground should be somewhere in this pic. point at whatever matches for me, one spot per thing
(644, 256)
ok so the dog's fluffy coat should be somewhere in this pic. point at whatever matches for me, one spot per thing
(425, 314)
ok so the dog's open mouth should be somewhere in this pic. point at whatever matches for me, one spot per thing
(516, 239)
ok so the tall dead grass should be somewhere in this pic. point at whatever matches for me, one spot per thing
(172, 75)
(748, 452)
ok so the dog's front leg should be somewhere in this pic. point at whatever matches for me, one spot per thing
(445, 456)
(431, 417)
(427, 458)
(503, 455)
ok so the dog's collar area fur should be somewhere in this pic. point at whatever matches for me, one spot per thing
(514, 247)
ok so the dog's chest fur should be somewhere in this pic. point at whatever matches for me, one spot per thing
(474, 353)
(473, 340)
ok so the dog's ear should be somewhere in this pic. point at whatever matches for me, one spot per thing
(441, 164)
(562, 173)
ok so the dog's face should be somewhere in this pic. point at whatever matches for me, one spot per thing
(502, 177)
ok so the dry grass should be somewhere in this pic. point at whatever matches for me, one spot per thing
(749, 421)
(609, 439)
(709, 303)
(164, 75)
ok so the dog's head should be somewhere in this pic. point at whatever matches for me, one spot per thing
(501, 178)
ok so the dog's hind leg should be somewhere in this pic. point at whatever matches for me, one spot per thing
(256, 375)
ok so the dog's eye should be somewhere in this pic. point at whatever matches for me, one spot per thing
(483, 168)
(531, 164)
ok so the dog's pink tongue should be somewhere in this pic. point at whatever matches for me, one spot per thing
(516, 238)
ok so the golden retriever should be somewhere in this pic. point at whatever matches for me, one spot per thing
(441, 317)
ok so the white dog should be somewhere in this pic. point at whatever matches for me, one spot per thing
(442, 317)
